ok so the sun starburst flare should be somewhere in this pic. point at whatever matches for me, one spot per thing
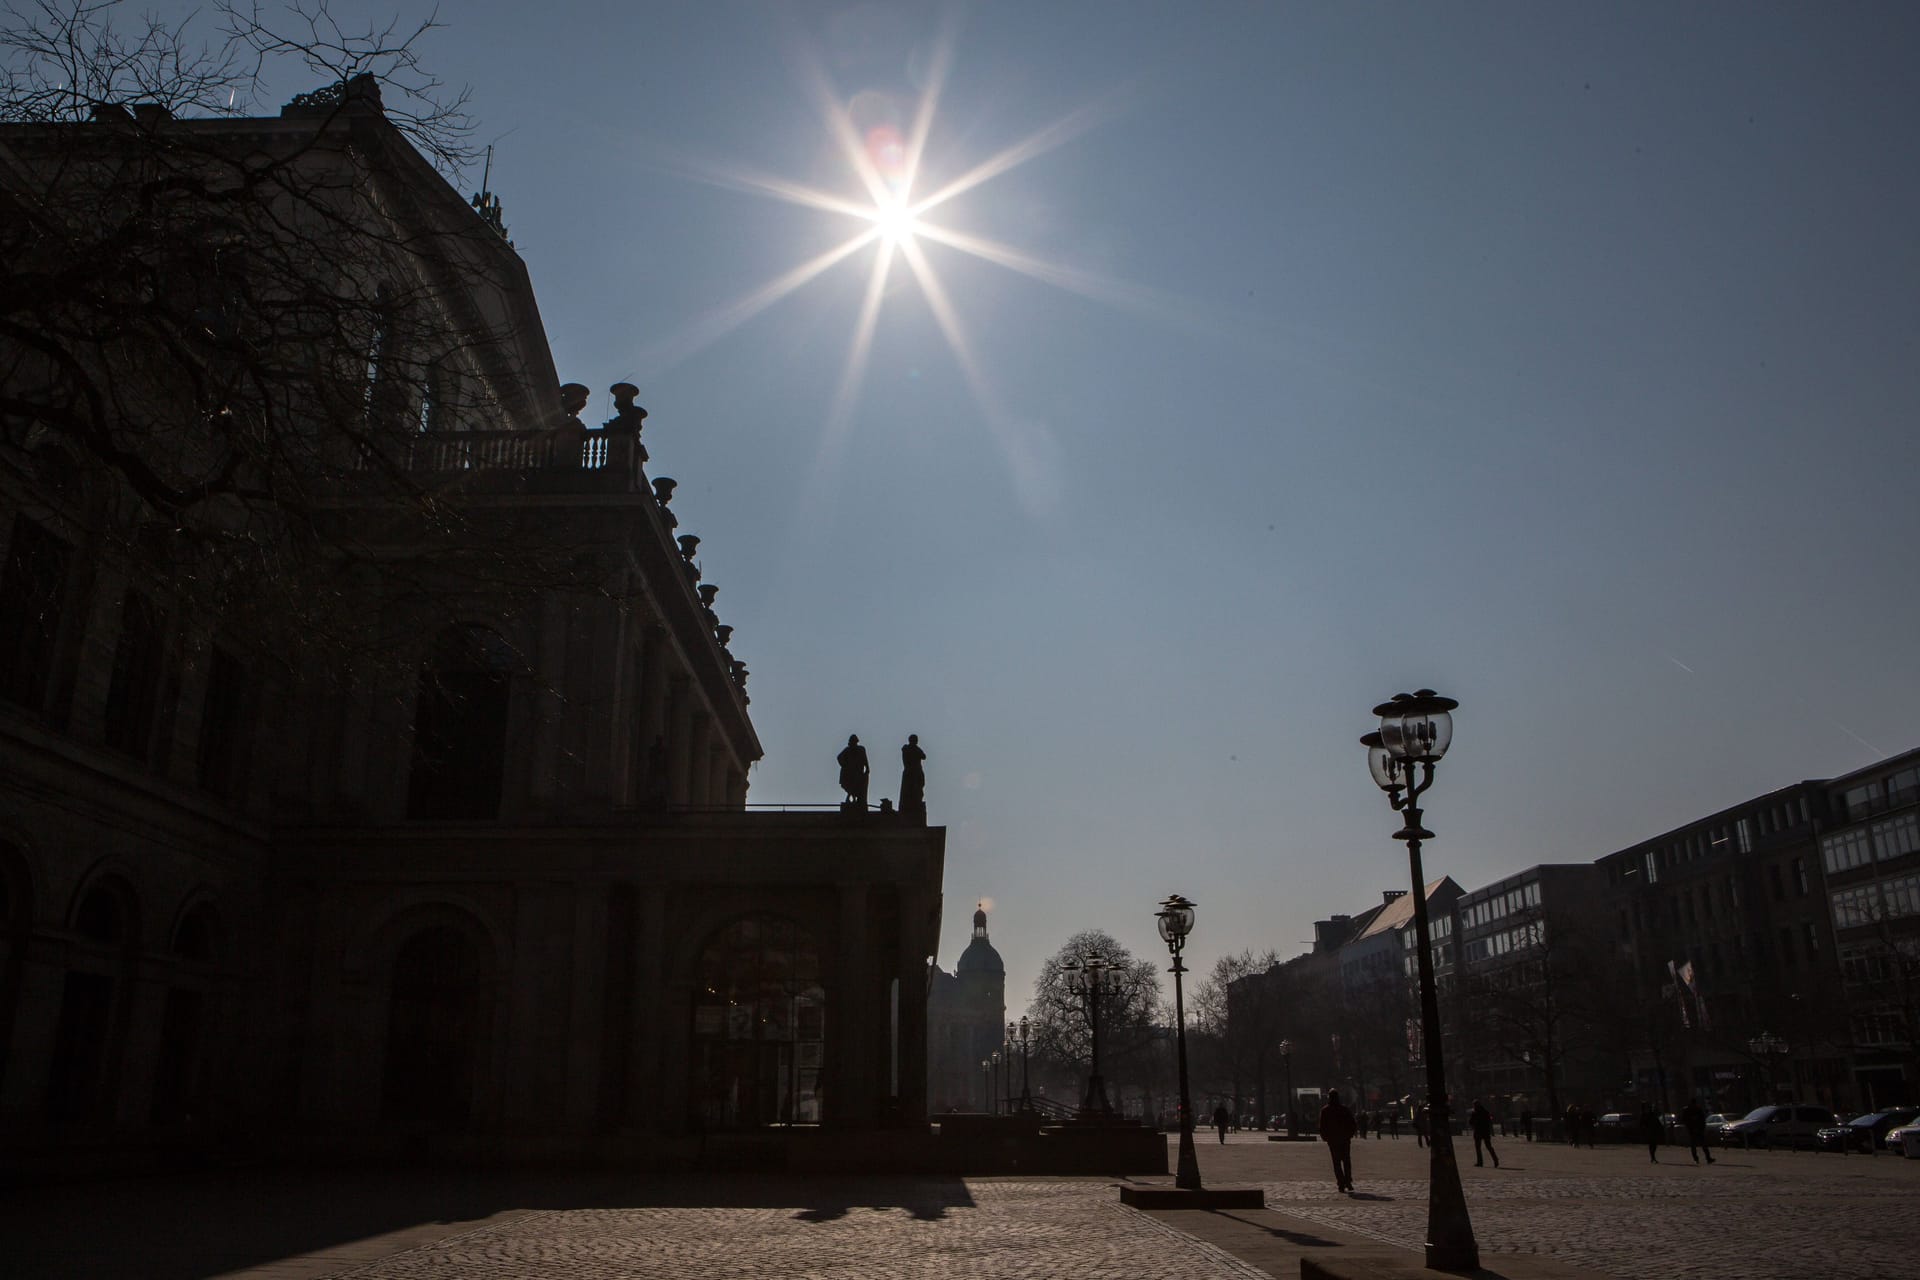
(885, 162)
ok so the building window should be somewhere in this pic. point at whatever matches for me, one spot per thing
(1846, 850)
(1813, 940)
(133, 691)
(222, 717)
(33, 590)
(1800, 887)
(460, 726)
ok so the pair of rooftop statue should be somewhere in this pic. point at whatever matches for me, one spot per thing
(854, 772)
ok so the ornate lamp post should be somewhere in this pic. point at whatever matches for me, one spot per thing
(1026, 1077)
(1767, 1045)
(1415, 731)
(993, 1083)
(1286, 1063)
(986, 1082)
(1088, 978)
(1176, 921)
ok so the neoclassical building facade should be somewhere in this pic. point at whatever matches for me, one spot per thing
(503, 893)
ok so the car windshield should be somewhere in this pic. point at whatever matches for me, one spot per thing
(1758, 1113)
(1867, 1121)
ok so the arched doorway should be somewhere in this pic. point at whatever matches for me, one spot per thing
(435, 1021)
(759, 1027)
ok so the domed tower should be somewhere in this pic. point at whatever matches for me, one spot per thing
(967, 1019)
(980, 957)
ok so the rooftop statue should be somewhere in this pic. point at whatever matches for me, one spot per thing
(913, 778)
(854, 771)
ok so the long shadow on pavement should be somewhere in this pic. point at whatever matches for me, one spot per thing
(187, 1226)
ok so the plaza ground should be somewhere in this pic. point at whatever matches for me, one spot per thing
(1753, 1214)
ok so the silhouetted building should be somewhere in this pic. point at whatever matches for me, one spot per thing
(966, 1022)
(504, 892)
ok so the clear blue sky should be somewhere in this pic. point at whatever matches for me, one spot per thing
(1561, 358)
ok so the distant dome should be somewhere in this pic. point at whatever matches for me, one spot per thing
(980, 957)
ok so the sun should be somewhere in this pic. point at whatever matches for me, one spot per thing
(896, 221)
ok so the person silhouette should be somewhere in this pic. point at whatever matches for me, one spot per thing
(854, 771)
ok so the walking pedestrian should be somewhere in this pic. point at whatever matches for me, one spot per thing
(1481, 1122)
(1337, 1129)
(1393, 1124)
(1650, 1130)
(1420, 1124)
(1526, 1123)
(1573, 1123)
(1221, 1120)
(1696, 1122)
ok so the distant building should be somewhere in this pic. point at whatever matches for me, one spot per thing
(1870, 854)
(1526, 968)
(1724, 923)
(966, 1023)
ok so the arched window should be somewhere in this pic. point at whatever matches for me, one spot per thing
(759, 1027)
(179, 1085)
(79, 1082)
(460, 726)
(434, 1030)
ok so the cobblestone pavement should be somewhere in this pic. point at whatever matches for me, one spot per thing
(996, 1228)
(1750, 1216)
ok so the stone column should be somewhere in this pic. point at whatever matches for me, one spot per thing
(679, 739)
(852, 1037)
(699, 768)
(651, 716)
(654, 1105)
(586, 1027)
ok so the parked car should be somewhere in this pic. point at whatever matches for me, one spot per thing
(1783, 1126)
(1906, 1139)
(1865, 1132)
(1718, 1121)
(1617, 1126)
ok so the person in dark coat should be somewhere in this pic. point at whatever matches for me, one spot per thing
(1337, 1130)
(1650, 1130)
(1696, 1122)
(1480, 1120)
(1526, 1124)
(1222, 1121)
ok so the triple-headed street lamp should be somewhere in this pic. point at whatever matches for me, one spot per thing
(1415, 731)
(1176, 921)
(1088, 977)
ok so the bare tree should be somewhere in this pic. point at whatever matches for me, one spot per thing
(1239, 1025)
(1132, 1015)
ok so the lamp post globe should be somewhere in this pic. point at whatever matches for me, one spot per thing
(1175, 919)
(1415, 731)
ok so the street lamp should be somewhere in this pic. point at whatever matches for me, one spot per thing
(1415, 731)
(986, 1082)
(1286, 1063)
(1087, 977)
(1176, 921)
(993, 1079)
(1026, 1078)
(1767, 1045)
